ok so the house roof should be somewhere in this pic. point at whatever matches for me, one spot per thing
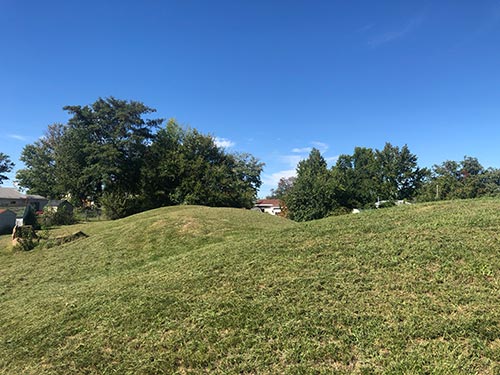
(34, 196)
(269, 202)
(2, 211)
(54, 203)
(13, 193)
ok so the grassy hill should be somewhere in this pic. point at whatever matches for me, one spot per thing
(405, 290)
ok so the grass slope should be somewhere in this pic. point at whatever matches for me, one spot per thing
(185, 290)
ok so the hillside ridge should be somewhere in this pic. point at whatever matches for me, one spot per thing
(193, 290)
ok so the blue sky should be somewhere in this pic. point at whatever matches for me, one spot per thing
(273, 78)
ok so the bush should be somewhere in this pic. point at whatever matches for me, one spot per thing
(386, 204)
(340, 211)
(26, 238)
(117, 205)
(62, 216)
(88, 213)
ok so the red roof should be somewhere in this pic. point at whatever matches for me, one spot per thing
(273, 202)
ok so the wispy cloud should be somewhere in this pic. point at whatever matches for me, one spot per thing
(289, 164)
(224, 142)
(301, 153)
(272, 179)
(321, 146)
(332, 159)
(292, 160)
(365, 28)
(302, 150)
(394, 35)
(19, 137)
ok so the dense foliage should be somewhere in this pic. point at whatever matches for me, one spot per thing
(311, 196)
(284, 186)
(40, 175)
(6, 166)
(109, 153)
(357, 180)
(59, 216)
(460, 180)
(388, 175)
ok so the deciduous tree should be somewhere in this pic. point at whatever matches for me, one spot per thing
(102, 147)
(356, 177)
(40, 174)
(399, 175)
(6, 166)
(285, 184)
(312, 194)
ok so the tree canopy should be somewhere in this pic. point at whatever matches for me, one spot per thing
(356, 181)
(285, 185)
(111, 152)
(461, 179)
(6, 166)
(311, 196)
(116, 154)
(40, 175)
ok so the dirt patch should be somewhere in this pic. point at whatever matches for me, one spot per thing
(65, 239)
(190, 226)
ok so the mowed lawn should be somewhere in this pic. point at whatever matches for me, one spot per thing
(194, 290)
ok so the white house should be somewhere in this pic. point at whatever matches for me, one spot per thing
(270, 206)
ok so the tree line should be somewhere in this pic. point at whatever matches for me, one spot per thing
(111, 153)
(114, 155)
(368, 176)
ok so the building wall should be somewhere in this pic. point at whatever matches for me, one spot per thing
(38, 204)
(7, 222)
(271, 210)
(6, 202)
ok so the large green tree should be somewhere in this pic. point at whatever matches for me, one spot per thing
(312, 195)
(161, 170)
(102, 148)
(6, 166)
(245, 171)
(187, 167)
(285, 184)
(111, 153)
(356, 176)
(40, 175)
(461, 179)
(399, 175)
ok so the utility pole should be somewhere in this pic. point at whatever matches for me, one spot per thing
(437, 191)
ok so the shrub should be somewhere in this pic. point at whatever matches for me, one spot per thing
(117, 205)
(386, 204)
(88, 213)
(62, 216)
(340, 211)
(26, 238)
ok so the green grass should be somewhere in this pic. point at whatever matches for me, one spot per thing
(405, 290)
